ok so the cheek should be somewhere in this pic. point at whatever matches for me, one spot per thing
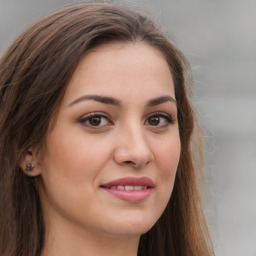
(168, 155)
(74, 159)
(167, 160)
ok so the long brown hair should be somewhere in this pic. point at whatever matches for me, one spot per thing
(34, 73)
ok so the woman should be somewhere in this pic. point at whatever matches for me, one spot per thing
(96, 133)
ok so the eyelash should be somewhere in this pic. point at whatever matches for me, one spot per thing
(89, 117)
(168, 119)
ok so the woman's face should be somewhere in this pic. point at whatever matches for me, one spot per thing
(111, 158)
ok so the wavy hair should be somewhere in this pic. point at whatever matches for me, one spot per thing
(34, 74)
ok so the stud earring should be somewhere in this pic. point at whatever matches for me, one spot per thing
(29, 167)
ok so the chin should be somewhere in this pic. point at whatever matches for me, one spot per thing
(134, 225)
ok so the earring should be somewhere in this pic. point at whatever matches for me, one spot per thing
(29, 167)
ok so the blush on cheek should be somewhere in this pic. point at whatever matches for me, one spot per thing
(170, 160)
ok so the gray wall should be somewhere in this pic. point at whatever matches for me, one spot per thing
(219, 39)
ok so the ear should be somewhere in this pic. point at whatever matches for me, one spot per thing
(29, 164)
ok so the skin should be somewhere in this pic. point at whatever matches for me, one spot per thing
(83, 153)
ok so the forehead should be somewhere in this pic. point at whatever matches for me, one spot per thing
(121, 70)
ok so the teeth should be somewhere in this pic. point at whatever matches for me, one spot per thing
(128, 187)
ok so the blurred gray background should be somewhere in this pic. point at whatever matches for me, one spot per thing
(219, 39)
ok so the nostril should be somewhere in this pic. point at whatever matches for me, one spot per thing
(129, 162)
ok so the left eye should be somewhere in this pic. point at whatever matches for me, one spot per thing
(159, 120)
(95, 121)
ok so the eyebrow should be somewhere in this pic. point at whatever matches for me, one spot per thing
(160, 100)
(102, 99)
(116, 102)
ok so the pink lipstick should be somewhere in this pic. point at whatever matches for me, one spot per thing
(130, 189)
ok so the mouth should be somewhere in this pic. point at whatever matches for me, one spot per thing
(130, 189)
(127, 187)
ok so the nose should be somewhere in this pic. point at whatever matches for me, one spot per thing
(133, 149)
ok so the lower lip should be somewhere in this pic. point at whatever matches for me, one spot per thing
(130, 195)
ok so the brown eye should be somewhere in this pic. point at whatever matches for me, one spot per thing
(95, 121)
(154, 120)
(159, 120)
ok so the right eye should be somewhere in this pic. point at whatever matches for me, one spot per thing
(95, 120)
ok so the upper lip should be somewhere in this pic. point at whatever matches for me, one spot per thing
(132, 181)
